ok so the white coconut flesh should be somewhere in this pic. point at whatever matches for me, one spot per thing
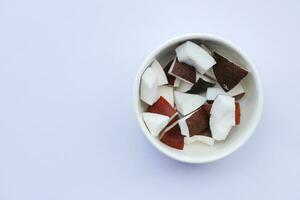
(155, 122)
(194, 55)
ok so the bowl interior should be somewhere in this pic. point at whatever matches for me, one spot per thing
(251, 103)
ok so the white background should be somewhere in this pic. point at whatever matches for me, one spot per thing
(67, 125)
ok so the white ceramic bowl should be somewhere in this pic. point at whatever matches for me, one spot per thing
(251, 103)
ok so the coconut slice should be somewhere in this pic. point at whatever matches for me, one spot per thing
(195, 127)
(184, 86)
(155, 122)
(172, 137)
(194, 55)
(203, 136)
(227, 73)
(148, 89)
(183, 71)
(163, 107)
(172, 80)
(237, 92)
(195, 123)
(159, 72)
(213, 92)
(198, 122)
(222, 116)
(187, 103)
(167, 93)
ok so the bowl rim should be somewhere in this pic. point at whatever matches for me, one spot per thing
(156, 51)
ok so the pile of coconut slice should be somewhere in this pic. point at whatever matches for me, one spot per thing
(194, 98)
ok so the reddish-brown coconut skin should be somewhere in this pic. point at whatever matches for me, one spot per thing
(162, 106)
(227, 73)
(173, 138)
(184, 71)
(171, 79)
(198, 122)
(207, 108)
(237, 113)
